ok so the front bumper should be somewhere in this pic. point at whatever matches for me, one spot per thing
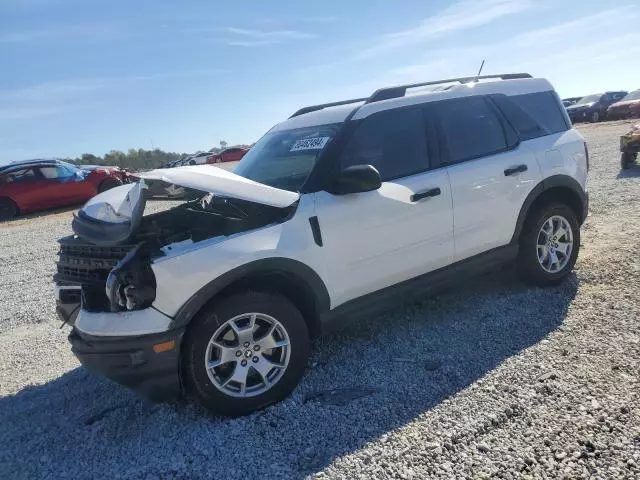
(133, 361)
(67, 302)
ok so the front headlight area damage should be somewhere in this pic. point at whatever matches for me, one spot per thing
(131, 285)
(109, 260)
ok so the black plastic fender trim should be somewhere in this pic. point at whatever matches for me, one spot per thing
(546, 184)
(315, 230)
(305, 275)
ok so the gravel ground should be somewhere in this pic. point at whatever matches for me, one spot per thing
(493, 379)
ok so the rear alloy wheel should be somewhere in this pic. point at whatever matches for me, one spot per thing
(8, 209)
(245, 352)
(555, 244)
(549, 245)
(595, 117)
(108, 184)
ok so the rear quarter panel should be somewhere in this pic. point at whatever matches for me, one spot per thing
(562, 154)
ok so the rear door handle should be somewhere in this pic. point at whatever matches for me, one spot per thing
(432, 192)
(514, 170)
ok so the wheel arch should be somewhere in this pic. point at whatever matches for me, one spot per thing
(562, 188)
(11, 200)
(296, 281)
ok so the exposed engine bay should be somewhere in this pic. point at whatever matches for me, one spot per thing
(113, 273)
(206, 217)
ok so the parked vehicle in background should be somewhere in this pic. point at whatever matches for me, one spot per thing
(335, 213)
(628, 107)
(567, 102)
(38, 184)
(233, 154)
(593, 108)
(196, 159)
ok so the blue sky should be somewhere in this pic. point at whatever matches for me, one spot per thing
(90, 76)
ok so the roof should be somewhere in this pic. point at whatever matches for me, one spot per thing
(393, 97)
(28, 163)
(319, 117)
(507, 87)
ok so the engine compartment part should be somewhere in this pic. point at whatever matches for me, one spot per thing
(131, 285)
(115, 275)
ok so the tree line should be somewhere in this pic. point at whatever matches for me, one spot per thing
(133, 159)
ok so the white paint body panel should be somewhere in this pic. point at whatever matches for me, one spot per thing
(116, 204)
(562, 154)
(486, 203)
(209, 178)
(186, 270)
(376, 239)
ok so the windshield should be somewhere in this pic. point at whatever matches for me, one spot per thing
(635, 95)
(590, 99)
(284, 158)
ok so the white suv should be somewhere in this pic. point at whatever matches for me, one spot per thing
(334, 213)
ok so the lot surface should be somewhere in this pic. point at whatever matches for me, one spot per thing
(493, 379)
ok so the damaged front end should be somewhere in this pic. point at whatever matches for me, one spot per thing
(106, 266)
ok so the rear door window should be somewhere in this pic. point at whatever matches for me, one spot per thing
(470, 128)
(393, 141)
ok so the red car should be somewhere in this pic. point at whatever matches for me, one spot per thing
(628, 107)
(38, 184)
(233, 154)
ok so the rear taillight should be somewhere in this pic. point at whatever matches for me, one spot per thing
(586, 154)
(210, 159)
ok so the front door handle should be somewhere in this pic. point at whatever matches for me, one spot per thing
(432, 192)
(514, 170)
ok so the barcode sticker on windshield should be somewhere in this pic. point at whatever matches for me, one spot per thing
(316, 143)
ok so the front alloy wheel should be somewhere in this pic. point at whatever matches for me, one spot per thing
(244, 352)
(247, 355)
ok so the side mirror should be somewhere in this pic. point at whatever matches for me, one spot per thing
(356, 179)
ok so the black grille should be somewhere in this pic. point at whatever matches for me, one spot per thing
(81, 263)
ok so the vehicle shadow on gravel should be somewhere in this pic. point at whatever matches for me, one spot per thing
(364, 382)
(632, 172)
(42, 214)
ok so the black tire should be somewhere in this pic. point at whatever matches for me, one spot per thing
(528, 265)
(200, 332)
(8, 209)
(595, 117)
(627, 159)
(108, 184)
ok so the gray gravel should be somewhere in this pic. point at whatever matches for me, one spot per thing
(492, 379)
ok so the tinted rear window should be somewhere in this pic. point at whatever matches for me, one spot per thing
(534, 114)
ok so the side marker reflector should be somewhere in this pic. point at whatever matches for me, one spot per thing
(164, 346)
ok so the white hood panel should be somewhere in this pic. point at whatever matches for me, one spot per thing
(218, 181)
(115, 205)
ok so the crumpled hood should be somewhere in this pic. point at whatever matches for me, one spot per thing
(112, 216)
(218, 181)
